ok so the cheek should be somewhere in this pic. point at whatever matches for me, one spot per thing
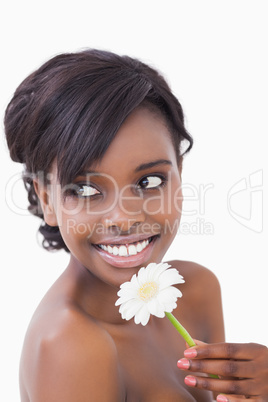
(167, 204)
(77, 228)
(177, 201)
(174, 217)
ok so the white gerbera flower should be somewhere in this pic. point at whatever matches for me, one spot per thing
(149, 292)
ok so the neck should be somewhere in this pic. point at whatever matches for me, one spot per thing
(94, 296)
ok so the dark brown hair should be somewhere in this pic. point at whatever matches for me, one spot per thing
(71, 108)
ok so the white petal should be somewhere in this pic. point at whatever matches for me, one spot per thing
(174, 272)
(170, 307)
(118, 302)
(126, 306)
(156, 308)
(151, 266)
(168, 278)
(134, 281)
(132, 292)
(133, 310)
(124, 299)
(167, 295)
(130, 284)
(142, 276)
(126, 289)
(145, 319)
(175, 292)
(160, 268)
(151, 270)
(163, 265)
(126, 285)
(142, 316)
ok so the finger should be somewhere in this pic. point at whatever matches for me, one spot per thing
(224, 368)
(236, 398)
(237, 387)
(237, 351)
(197, 342)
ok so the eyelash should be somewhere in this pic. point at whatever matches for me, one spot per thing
(74, 192)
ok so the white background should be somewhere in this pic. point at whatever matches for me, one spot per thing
(214, 55)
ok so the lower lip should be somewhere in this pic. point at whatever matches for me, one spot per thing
(130, 261)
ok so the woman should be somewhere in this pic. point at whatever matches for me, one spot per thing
(101, 138)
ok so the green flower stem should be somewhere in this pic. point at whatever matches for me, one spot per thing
(187, 337)
(185, 334)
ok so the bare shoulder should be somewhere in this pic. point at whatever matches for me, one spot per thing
(73, 359)
(196, 276)
(201, 299)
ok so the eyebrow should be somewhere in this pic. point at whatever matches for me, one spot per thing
(139, 168)
(149, 165)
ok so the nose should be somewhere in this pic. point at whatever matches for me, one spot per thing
(126, 214)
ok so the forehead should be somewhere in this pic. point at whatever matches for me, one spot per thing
(143, 137)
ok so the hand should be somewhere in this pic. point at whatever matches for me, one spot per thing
(242, 370)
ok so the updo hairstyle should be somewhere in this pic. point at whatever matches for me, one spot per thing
(71, 108)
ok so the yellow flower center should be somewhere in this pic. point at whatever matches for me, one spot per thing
(148, 291)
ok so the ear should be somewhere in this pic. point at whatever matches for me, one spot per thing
(45, 198)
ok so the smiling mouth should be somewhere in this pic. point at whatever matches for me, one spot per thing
(126, 250)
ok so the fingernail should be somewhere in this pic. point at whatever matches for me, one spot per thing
(183, 364)
(221, 398)
(190, 353)
(190, 381)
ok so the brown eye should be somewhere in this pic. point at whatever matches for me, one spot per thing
(150, 182)
(87, 191)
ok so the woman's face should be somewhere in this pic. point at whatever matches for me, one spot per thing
(124, 211)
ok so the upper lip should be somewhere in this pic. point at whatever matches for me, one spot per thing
(124, 239)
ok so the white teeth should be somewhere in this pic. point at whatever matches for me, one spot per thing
(115, 250)
(110, 249)
(132, 250)
(139, 247)
(125, 250)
